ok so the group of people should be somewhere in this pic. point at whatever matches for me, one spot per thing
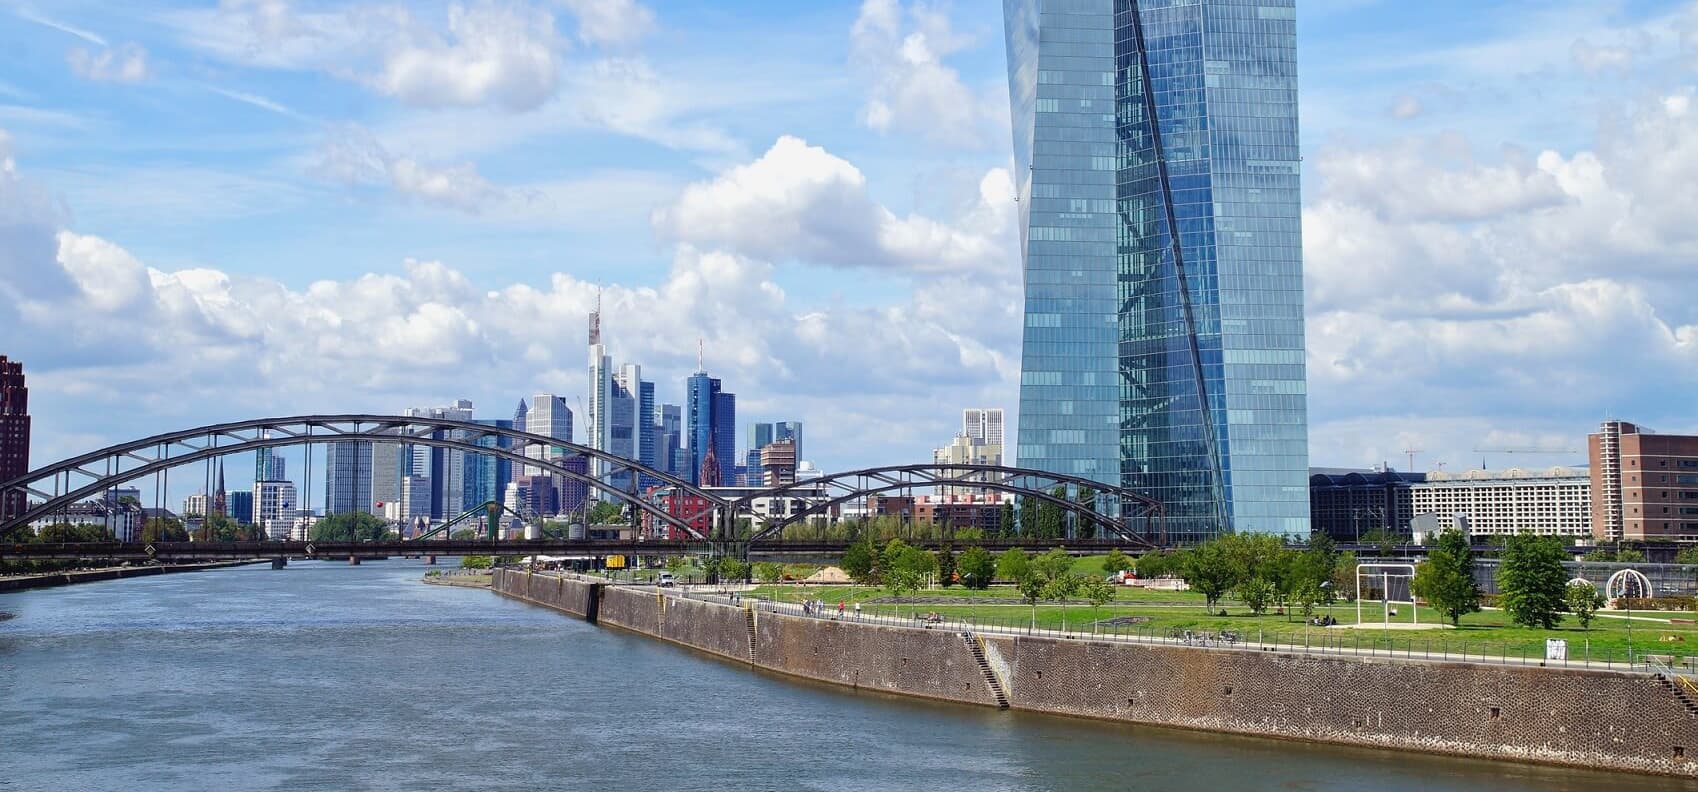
(817, 607)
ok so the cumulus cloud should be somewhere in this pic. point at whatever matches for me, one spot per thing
(126, 63)
(352, 156)
(1515, 294)
(491, 54)
(900, 52)
(800, 202)
(1596, 60)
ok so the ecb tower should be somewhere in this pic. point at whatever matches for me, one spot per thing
(1156, 145)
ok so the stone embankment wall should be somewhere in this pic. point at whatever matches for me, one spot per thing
(1595, 719)
(51, 579)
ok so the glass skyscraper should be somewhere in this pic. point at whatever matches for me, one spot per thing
(1157, 154)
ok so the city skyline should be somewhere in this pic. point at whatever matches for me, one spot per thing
(1531, 318)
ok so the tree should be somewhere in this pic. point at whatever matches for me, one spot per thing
(605, 512)
(1583, 600)
(1446, 578)
(1028, 516)
(946, 565)
(1256, 567)
(463, 534)
(1532, 580)
(1209, 570)
(70, 533)
(1098, 590)
(1063, 586)
(1155, 565)
(164, 529)
(1344, 576)
(1051, 516)
(676, 564)
(768, 572)
(1117, 562)
(859, 560)
(976, 567)
(1687, 555)
(349, 527)
(905, 567)
(220, 528)
(1053, 565)
(1013, 564)
(732, 570)
(1630, 555)
(1006, 524)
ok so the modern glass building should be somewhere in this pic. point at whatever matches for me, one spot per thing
(1157, 153)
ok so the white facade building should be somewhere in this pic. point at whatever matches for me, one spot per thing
(548, 416)
(983, 424)
(273, 501)
(1552, 502)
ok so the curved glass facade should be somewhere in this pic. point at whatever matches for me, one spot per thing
(1135, 121)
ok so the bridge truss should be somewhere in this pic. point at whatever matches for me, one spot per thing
(61, 484)
(1128, 515)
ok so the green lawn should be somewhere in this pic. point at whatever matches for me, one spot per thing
(1487, 633)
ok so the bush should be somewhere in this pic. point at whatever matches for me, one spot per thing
(1657, 603)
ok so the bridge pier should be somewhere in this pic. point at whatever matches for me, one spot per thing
(279, 562)
(430, 560)
(353, 560)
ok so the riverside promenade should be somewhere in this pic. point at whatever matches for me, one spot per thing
(1503, 708)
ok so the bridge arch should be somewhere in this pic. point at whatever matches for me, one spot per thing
(79, 477)
(848, 485)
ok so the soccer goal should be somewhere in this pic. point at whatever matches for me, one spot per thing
(1392, 580)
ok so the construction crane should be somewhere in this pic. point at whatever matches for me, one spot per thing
(1412, 452)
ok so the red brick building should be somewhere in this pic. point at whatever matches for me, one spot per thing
(1644, 485)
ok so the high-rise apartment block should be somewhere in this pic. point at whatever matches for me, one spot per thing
(14, 434)
(1644, 485)
(1157, 162)
(778, 463)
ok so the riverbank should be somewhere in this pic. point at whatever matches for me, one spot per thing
(1591, 718)
(52, 579)
(478, 579)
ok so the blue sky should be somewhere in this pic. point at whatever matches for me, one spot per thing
(218, 210)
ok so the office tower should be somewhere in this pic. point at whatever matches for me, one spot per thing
(487, 474)
(982, 424)
(572, 492)
(1160, 227)
(623, 433)
(725, 434)
(443, 468)
(14, 435)
(386, 471)
(196, 505)
(778, 461)
(548, 416)
(416, 500)
(669, 425)
(239, 505)
(789, 430)
(648, 434)
(701, 392)
(760, 434)
(348, 477)
(274, 504)
(268, 464)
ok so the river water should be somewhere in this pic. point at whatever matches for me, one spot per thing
(325, 676)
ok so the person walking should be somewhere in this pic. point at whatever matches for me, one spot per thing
(840, 609)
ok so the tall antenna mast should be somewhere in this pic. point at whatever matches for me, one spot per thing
(595, 320)
(701, 365)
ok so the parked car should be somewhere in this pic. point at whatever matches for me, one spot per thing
(665, 579)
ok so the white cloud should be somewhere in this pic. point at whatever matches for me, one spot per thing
(487, 52)
(89, 36)
(800, 202)
(352, 156)
(611, 21)
(127, 63)
(1406, 107)
(627, 96)
(900, 52)
(492, 54)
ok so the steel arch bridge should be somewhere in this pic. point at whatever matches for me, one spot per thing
(1024, 482)
(64, 483)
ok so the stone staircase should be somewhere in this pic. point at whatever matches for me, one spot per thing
(991, 681)
(749, 616)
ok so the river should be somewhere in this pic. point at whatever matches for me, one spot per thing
(326, 676)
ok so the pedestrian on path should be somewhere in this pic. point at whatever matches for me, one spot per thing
(840, 609)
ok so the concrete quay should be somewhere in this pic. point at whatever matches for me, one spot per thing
(1582, 717)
